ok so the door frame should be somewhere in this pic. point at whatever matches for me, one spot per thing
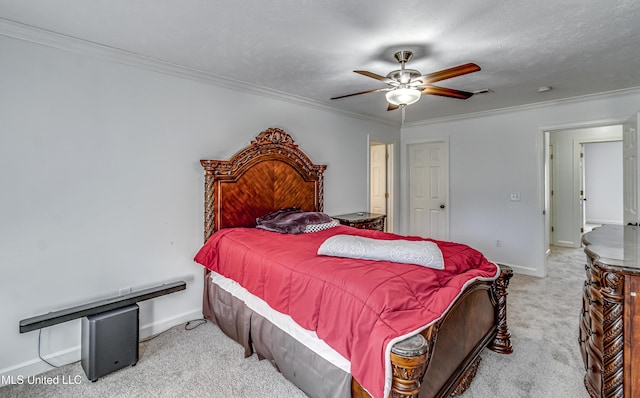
(544, 168)
(578, 147)
(630, 189)
(389, 181)
(393, 146)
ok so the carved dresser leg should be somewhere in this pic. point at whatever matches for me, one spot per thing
(408, 362)
(502, 342)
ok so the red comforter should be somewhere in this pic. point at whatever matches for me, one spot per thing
(358, 307)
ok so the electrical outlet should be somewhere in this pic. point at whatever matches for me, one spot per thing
(515, 196)
(124, 291)
(498, 243)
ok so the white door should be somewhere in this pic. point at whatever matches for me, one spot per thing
(428, 190)
(630, 173)
(378, 177)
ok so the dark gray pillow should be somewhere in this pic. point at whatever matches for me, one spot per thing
(291, 220)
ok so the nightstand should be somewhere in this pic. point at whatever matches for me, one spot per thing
(363, 220)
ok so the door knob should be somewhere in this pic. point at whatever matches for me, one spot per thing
(442, 206)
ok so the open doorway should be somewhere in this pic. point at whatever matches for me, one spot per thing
(567, 176)
(603, 184)
(381, 181)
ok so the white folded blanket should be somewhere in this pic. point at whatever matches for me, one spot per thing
(420, 252)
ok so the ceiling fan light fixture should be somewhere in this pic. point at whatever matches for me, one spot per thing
(403, 96)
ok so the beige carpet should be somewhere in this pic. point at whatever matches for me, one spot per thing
(542, 317)
(542, 314)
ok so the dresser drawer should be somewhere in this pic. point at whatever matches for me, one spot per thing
(593, 376)
(596, 333)
(595, 296)
(583, 336)
(594, 274)
(587, 268)
(592, 299)
(377, 225)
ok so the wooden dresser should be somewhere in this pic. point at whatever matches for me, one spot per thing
(610, 318)
(362, 220)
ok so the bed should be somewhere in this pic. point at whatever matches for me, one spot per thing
(254, 293)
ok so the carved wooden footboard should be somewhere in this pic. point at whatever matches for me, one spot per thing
(272, 173)
(443, 360)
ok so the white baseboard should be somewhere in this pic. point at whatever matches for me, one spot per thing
(37, 366)
(73, 354)
(155, 328)
(566, 243)
(518, 269)
(611, 222)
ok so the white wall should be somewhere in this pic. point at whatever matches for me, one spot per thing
(101, 185)
(566, 212)
(603, 182)
(496, 153)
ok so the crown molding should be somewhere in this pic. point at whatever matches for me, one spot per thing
(52, 39)
(537, 105)
(59, 41)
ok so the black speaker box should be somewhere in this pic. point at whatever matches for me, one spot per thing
(110, 341)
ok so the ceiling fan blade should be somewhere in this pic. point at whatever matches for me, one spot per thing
(363, 92)
(377, 77)
(392, 107)
(445, 92)
(448, 73)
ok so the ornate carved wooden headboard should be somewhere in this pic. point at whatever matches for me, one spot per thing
(269, 174)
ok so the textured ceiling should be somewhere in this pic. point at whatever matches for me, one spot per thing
(310, 48)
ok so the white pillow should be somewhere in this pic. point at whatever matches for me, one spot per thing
(420, 252)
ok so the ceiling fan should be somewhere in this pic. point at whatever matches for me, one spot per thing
(406, 86)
